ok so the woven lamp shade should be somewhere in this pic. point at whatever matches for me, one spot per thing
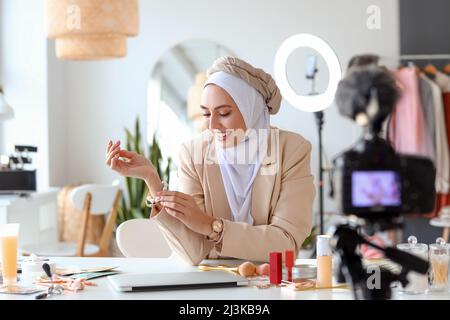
(193, 102)
(91, 29)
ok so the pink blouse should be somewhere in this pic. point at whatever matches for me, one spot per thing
(407, 128)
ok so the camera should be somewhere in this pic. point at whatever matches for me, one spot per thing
(376, 183)
(372, 180)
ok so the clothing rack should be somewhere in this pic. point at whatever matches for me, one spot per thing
(419, 57)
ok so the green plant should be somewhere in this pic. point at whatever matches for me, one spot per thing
(310, 240)
(134, 207)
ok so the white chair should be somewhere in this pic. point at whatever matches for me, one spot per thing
(142, 238)
(90, 199)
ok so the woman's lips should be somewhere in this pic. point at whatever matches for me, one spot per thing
(221, 136)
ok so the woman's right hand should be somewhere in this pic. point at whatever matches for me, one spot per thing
(128, 164)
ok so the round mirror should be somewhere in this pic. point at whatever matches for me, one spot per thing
(174, 91)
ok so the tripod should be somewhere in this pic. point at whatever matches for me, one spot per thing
(366, 285)
(320, 121)
(319, 115)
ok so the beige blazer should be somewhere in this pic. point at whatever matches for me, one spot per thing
(282, 201)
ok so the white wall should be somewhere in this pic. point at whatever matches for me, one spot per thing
(103, 97)
(1, 70)
(24, 77)
(94, 101)
(34, 82)
(57, 118)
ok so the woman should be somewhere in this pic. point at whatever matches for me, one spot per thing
(245, 187)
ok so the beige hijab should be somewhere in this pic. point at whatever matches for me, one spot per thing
(255, 77)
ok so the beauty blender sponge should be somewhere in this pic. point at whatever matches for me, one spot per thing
(247, 269)
(263, 269)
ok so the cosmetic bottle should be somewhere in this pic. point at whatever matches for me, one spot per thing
(324, 262)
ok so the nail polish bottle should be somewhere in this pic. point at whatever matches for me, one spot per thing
(324, 262)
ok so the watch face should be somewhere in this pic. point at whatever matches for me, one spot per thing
(217, 226)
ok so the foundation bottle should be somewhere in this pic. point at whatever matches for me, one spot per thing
(324, 262)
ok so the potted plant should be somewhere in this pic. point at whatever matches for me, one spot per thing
(308, 246)
(134, 205)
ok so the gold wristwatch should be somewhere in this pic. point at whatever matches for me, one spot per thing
(217, 226)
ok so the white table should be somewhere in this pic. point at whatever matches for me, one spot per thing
(104, 290)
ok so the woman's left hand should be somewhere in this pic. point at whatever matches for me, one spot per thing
(183, 207)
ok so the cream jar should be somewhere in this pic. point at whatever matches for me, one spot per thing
(32, 269)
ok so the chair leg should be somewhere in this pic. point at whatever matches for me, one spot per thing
(84, 225)
(109, 226)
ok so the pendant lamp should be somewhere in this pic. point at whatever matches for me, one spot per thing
(91, 29)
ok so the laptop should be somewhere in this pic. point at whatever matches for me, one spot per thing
(175, 281)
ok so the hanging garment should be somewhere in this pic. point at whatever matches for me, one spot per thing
(443, 81)
(427, 101)
(407, 129)
(440, 134)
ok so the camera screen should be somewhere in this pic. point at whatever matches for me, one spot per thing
(376, 188)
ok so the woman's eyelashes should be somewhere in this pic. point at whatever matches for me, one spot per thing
(225, 114)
